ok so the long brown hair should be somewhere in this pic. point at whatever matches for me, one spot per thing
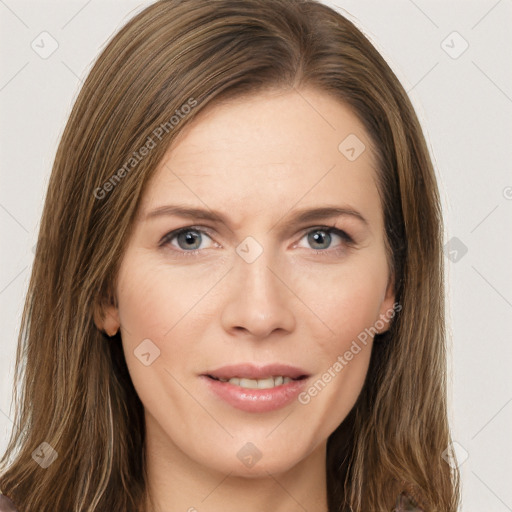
(155, 76)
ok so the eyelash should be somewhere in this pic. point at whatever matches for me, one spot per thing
(166, 240)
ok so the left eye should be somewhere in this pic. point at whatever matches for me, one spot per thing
(323, 235)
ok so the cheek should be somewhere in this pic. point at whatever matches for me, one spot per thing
(162, 314)
(348, 302)
(153, 313)
(346, 298)
(155, 300)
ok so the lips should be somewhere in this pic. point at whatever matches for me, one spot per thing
(256, 389)
(250, 371)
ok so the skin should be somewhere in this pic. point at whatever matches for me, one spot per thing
(257, 160)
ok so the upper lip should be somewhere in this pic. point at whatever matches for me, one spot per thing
(252, 371)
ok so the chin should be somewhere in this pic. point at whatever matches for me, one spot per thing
(249, 462)
(262, 469)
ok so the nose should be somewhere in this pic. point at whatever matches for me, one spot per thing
(259, 300)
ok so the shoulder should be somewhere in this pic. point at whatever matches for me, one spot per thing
(6, 505)
(404, 503)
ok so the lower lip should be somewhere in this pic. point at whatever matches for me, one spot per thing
(255, 400)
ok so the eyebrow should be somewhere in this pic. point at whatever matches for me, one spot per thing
(298, 217)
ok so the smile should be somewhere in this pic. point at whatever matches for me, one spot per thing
(256, 389)
(266, 383)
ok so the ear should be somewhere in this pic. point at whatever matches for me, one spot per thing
(388, 307)
(106, 316)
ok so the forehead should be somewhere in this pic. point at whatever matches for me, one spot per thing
(268, 151)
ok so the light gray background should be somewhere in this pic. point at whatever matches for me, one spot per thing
(465, 105)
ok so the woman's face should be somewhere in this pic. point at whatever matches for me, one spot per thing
(250, 290)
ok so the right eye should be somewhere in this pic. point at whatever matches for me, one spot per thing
(188, 240)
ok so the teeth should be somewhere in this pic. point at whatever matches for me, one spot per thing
(269, 382)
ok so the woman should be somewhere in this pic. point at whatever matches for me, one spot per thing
(258, 369)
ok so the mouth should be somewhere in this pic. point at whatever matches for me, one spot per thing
(254, 388)
(264, 383)
(253, 376)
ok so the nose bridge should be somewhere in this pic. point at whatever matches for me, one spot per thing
(259, 301)
(254, 268)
